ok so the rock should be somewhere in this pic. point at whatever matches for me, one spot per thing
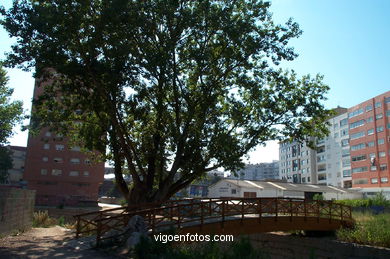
(133, 240)
(135, 224)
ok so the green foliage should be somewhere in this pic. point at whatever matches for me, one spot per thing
(148, 249)
(10, 111)
(318, 197)
(378, 200)
(173, 88)
(369, 230)
(5, 163)
(61, 221)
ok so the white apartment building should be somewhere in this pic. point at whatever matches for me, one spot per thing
(333, 155)
(328, 165)
(261, 171)
(297, 163)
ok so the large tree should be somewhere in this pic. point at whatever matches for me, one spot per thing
(10, 111)
(170, 89)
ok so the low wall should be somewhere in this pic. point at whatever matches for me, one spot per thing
(16, 209)
(288, 246)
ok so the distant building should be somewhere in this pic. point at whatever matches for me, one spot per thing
(328, 164)
(259, 171)
(263, 189)
(18, 156)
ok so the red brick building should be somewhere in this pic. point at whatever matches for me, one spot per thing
(369, 131)
(60, 173)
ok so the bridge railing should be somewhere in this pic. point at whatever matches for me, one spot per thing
(177, 214)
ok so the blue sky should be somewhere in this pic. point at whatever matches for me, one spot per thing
(347, 41)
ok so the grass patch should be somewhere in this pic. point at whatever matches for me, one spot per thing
(41, 219)
(369, 230)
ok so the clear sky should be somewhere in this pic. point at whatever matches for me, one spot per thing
(347, 41)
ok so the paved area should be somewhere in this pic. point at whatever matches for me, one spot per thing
(54, 242)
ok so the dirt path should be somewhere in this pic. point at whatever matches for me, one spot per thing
(44, 243)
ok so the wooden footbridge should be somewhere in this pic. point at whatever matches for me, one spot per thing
(221, 216)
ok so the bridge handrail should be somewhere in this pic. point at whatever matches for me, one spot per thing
(173, 213)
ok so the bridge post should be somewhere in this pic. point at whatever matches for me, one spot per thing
(291, 210)
(99, 229)
(242, 211)
(330, 211)
(223, 214)
(276, 209)
(201, 215)
(78, 226)
(259, 209)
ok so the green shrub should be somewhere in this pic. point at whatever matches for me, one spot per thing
(150, 249)
(41, 219)
(370, 230)
(378, 200)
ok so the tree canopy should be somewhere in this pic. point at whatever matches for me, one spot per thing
(10, 111)
(171, 88)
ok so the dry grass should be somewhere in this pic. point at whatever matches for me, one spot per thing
(41, 219)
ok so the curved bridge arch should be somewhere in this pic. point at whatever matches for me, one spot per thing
(223, 216)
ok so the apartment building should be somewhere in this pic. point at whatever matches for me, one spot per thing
(297, 163)
(333, 162)
(260, 171)
(18, 156)
(61, 174)
(369, 124)
(328, 164)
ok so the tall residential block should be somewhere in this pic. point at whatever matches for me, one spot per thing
(61, 174)
(369, 125)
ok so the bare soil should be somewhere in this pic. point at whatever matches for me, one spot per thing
(44, 243)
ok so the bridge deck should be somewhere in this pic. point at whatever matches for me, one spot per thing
(233, 215)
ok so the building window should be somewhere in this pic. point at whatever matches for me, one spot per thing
(371, 144)
(373, 168)
(86, 173)
(358, 146)
(382, 154)
(370, 132)
(75, 160)
(73, 173)
(381, 141)
(355, 113)
(387, 99)
(359, 158)
(347, 173)
(58, 160)
(346, 162)
(374, 180)
(343, 122)
(75, 148)
(359, 169)
(357, 135)
(48, 134)
(368, 108)
(370, 119)
(234, 191)
(344, 132)
(378, 104)
(345, 152)
(45, 159)
(60, 147)
(356, 124)
(56, 172)
(384, 179)
(344, 142)
(88, 162)
(43, 171)
(379, 129)
(46, 146)
(383, 167)
(379, 116)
